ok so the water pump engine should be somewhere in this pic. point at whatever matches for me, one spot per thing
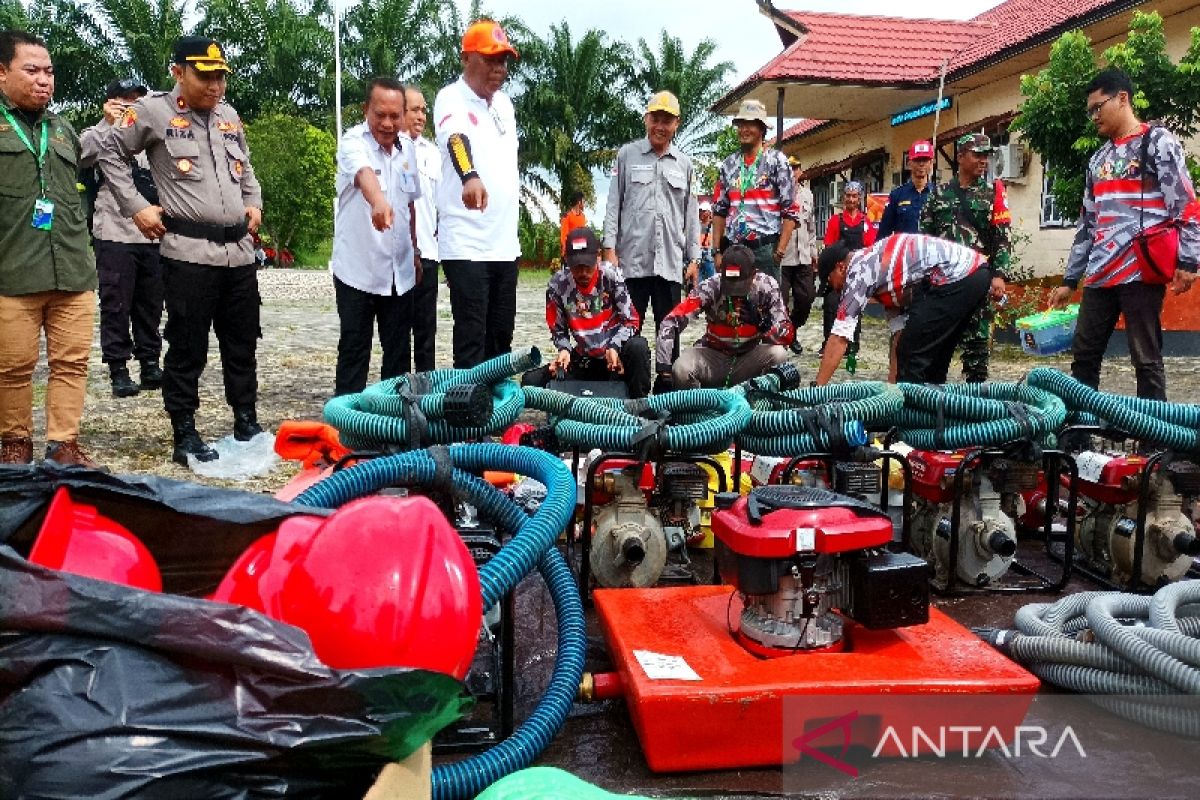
(1109, 488)
(804, 560)
(990, 499)
(643, 519)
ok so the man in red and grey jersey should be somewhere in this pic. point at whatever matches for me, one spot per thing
(928, 287)
(748, 327)
(592, 321)
(1121, 197)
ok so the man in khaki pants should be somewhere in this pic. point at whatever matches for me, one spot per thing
(47, 276)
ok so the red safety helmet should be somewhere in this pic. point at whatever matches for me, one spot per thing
(76, 538)
(261, 569)
(385, 582)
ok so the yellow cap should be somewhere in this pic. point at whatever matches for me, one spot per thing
(663, 101)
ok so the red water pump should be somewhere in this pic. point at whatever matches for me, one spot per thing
(805, 558)
(976, 506)
(1132, 528)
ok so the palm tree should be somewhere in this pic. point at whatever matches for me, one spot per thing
(571, 110)
(697, 83)
(138, 36)
(389, 38)
(280, 50)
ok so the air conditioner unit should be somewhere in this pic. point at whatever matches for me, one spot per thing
(1008, 161)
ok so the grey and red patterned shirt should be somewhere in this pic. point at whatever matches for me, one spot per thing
(755, 198)
(1120, 198)
(593, 319)
(736, 325)
(887, 269)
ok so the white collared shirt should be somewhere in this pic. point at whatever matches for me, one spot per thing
(429, 173)
(466, 235)
(364, 258)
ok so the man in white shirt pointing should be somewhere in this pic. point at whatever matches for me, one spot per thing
(376, 262)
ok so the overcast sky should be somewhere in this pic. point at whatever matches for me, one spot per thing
(743, 34)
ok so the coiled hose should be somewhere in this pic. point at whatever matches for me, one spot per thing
(388, 413)
(688, 421)
(1172, 425)
(817, 419)
(1156, 657)
(532, 544)
(978, 414)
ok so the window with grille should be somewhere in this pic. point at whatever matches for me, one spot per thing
(1052, 215)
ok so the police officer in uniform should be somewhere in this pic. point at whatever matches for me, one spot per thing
(210, 204)
(972, 212)
(131, 288)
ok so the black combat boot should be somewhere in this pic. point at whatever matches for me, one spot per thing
(187, 440)
(245, 424)
(122, 384)
(151, 375)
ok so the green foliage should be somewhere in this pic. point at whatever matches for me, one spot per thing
(572, 111)
(539, 241)
(1052, 116)
(294, 162)
(280, 49)
(725, 144)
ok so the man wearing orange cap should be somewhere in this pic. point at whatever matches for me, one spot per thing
(478, 196)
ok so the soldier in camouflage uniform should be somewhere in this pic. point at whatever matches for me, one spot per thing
(972, 212)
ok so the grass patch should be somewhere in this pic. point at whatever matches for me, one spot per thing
(316, 258)
(533, 278)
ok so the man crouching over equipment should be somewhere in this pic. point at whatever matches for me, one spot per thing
(928, 287)
(748, 329)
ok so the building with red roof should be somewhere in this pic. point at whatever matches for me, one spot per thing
(866, 87)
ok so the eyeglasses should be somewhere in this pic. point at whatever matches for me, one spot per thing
(496, 119)
(1094, 111)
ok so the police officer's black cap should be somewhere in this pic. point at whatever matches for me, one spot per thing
(122, 87)
(204, 54)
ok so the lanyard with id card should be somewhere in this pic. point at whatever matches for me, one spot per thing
(43, 206)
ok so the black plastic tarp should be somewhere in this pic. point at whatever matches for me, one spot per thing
(107, 691)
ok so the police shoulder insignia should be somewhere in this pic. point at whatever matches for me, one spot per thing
(130, 118)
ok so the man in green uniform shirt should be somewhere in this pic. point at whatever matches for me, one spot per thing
(972, 212)
(47, 275)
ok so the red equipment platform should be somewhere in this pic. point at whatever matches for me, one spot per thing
(734, 716)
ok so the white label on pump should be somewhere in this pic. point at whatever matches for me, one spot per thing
(1091, 464)
(762, 467)
(659, 667)
(806, 540)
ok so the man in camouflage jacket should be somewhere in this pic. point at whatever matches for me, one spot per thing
(972, 212)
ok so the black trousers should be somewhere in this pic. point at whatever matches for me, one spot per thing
(483, 300)
(424, 317)
(635, 358)
(358, 314)
(937, 319)
(131, 291)
(1141, 303)
(225, 300)
(798, 283)
(660, 293)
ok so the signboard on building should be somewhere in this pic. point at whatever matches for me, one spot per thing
(924, 110)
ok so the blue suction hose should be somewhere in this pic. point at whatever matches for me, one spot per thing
(532, 544)
(387, 413)
(1172, 425)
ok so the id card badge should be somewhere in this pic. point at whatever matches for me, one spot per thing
(43, 214)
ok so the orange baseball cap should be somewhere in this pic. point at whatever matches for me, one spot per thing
(487, 38)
